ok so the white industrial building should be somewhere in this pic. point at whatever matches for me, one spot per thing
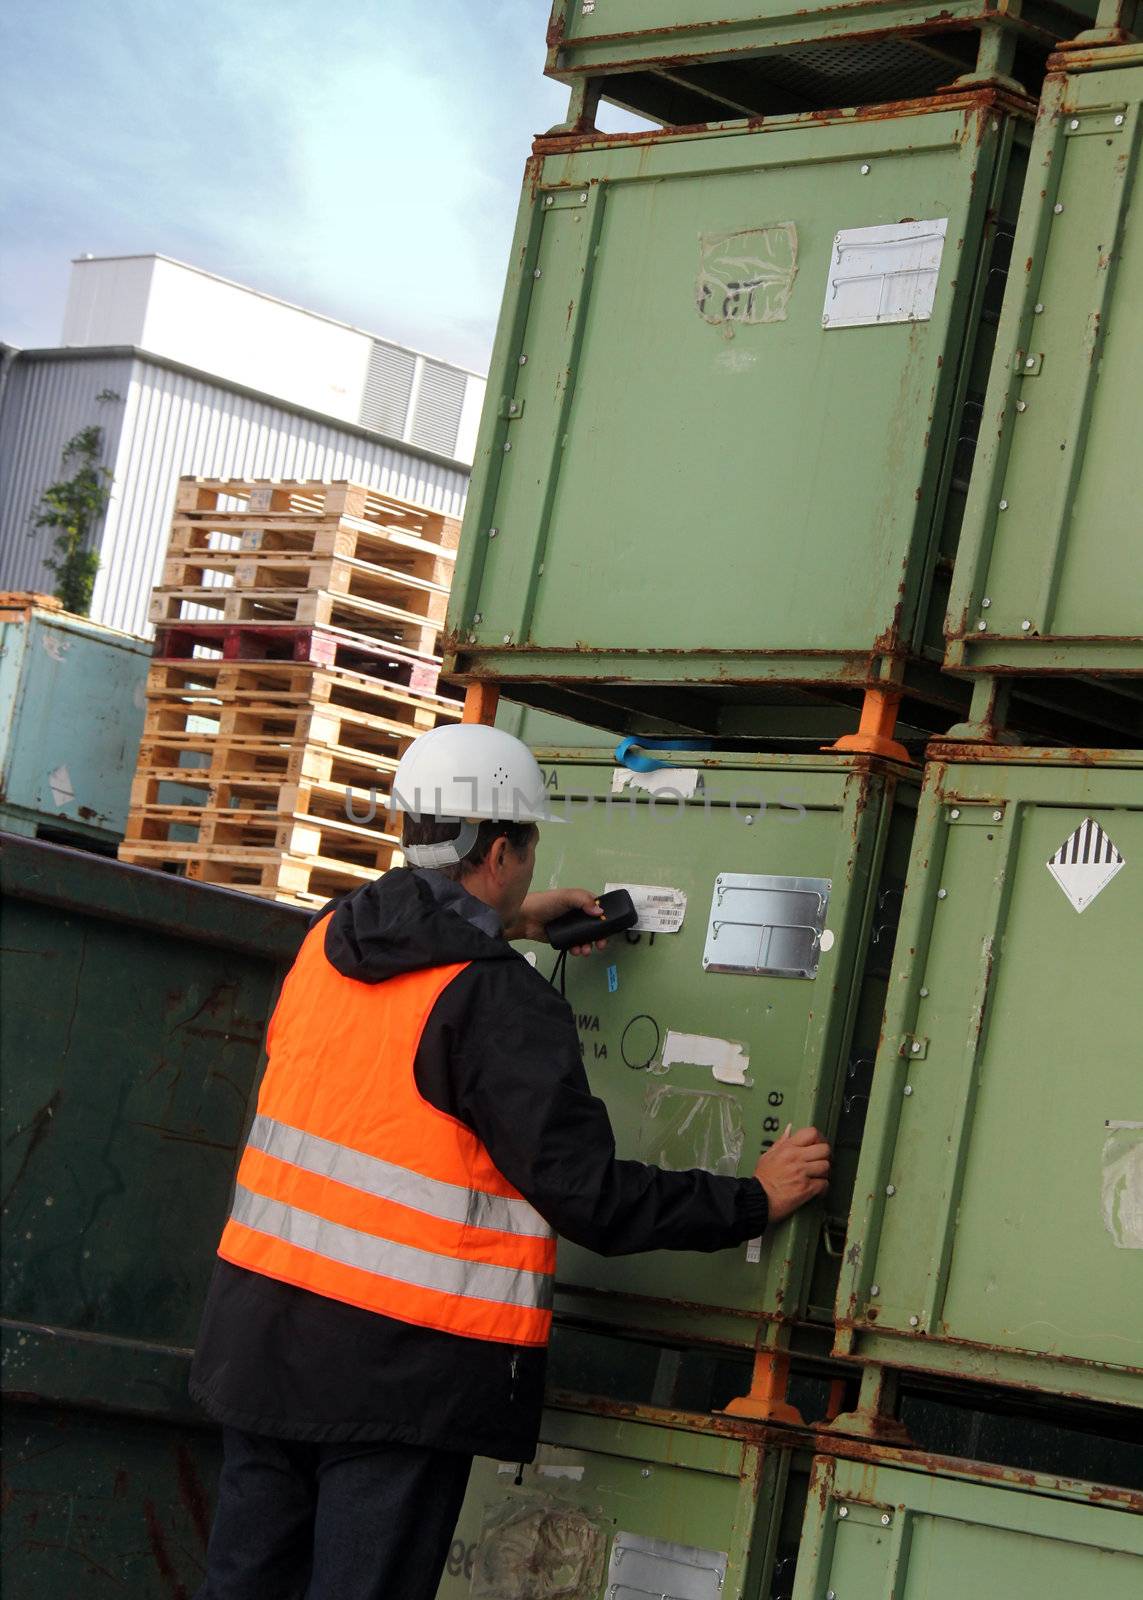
(186, 372)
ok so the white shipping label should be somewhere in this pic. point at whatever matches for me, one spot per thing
(661, 909)
(884, 274)
(1085, 863)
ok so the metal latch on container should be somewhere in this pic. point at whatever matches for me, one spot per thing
(974, 813)
(510, 407)
(914, 1047)
(1029, 363)
(1109, 121)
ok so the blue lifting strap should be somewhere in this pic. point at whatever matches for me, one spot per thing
(631, 752)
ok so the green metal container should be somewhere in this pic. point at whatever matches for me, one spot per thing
(623, 1508)
(748, 996)
(1049, 574)
(71, 716)
(997, 1224)
(134, 1011)
(685, 61)
(722, 461)
(877, 1528)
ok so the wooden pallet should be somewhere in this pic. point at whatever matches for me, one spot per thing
(250, 499)
(330, 647)
(295, 880)
(394, 547)
(196, 682)
(414, 598)
(309, 608)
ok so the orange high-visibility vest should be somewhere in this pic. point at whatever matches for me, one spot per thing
(353, 1186)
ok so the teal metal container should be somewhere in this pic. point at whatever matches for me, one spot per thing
(134, 1011)
(1049, 574)
(748, 996)
(71, 716)
(685, 61)
(885, 1525)
(623, 1507)
(997, 1223)
(722, 462)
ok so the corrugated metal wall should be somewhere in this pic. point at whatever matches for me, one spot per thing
(45, 404)
(173, 423)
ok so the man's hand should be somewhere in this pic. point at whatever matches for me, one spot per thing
(794, 1169)
(545, 906)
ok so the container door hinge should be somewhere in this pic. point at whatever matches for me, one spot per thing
(510, 408)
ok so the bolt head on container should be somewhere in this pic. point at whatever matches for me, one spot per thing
(942, 894)
(843, 1511)
(1038, 307)
(492, 532)
(1057, 208)
(924, 993)
(982, 627)
(914, 1322)
(1004, 503)
(521, 361)
(1026, 626)
(890, 1189)
(874, 1290)
(998, 816)
(1021, 405)
(955, 812)
(507, 638)
(537, 272)
(916, 1047)
(985, 603)
(1119, 120)
(1074, 122)
(478, 618)
(548, 200)
(908, 1089)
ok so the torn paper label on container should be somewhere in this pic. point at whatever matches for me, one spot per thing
(671, 783)
(1085, 863)
(660, 909)
(726, 1058)
(532, 1545)
(1122, 1184)
(59, 782)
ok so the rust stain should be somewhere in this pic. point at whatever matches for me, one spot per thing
(37, 1130)
(192, 1494)
(163, 1563)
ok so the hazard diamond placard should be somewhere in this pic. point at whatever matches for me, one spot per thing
(1085, 863)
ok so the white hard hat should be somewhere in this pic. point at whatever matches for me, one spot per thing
(468, 773)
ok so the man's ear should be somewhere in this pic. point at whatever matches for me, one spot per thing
(498, 854)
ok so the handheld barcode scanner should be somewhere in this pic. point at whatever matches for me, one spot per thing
(580, 927)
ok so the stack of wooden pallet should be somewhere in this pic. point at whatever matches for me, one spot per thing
(296, 657)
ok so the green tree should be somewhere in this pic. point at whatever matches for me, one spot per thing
(72, 506)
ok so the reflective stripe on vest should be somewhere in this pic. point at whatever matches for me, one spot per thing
(354, 1187)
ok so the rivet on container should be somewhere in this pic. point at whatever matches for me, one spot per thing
(1119, 120)
(865, 169)
(890, 1189)
(1025, 626)
(914, 1322)
(908, 1089)
(843, 1511)
(942, 894)
(492, 532)
(886, 1519)
(955, 812)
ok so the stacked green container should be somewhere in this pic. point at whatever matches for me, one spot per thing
(721, 493)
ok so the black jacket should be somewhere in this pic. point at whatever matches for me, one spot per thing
(500, 1052)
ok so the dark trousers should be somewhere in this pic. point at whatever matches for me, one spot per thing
(331, 1521)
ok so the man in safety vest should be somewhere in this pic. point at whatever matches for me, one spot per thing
(382, 1303)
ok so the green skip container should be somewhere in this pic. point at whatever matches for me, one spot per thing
(748, 996)
(997, 1224)
(1049, 574)
(686, 61)
(723, 459)
(925, 1530)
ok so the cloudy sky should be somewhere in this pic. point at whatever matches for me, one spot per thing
(360, 157)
